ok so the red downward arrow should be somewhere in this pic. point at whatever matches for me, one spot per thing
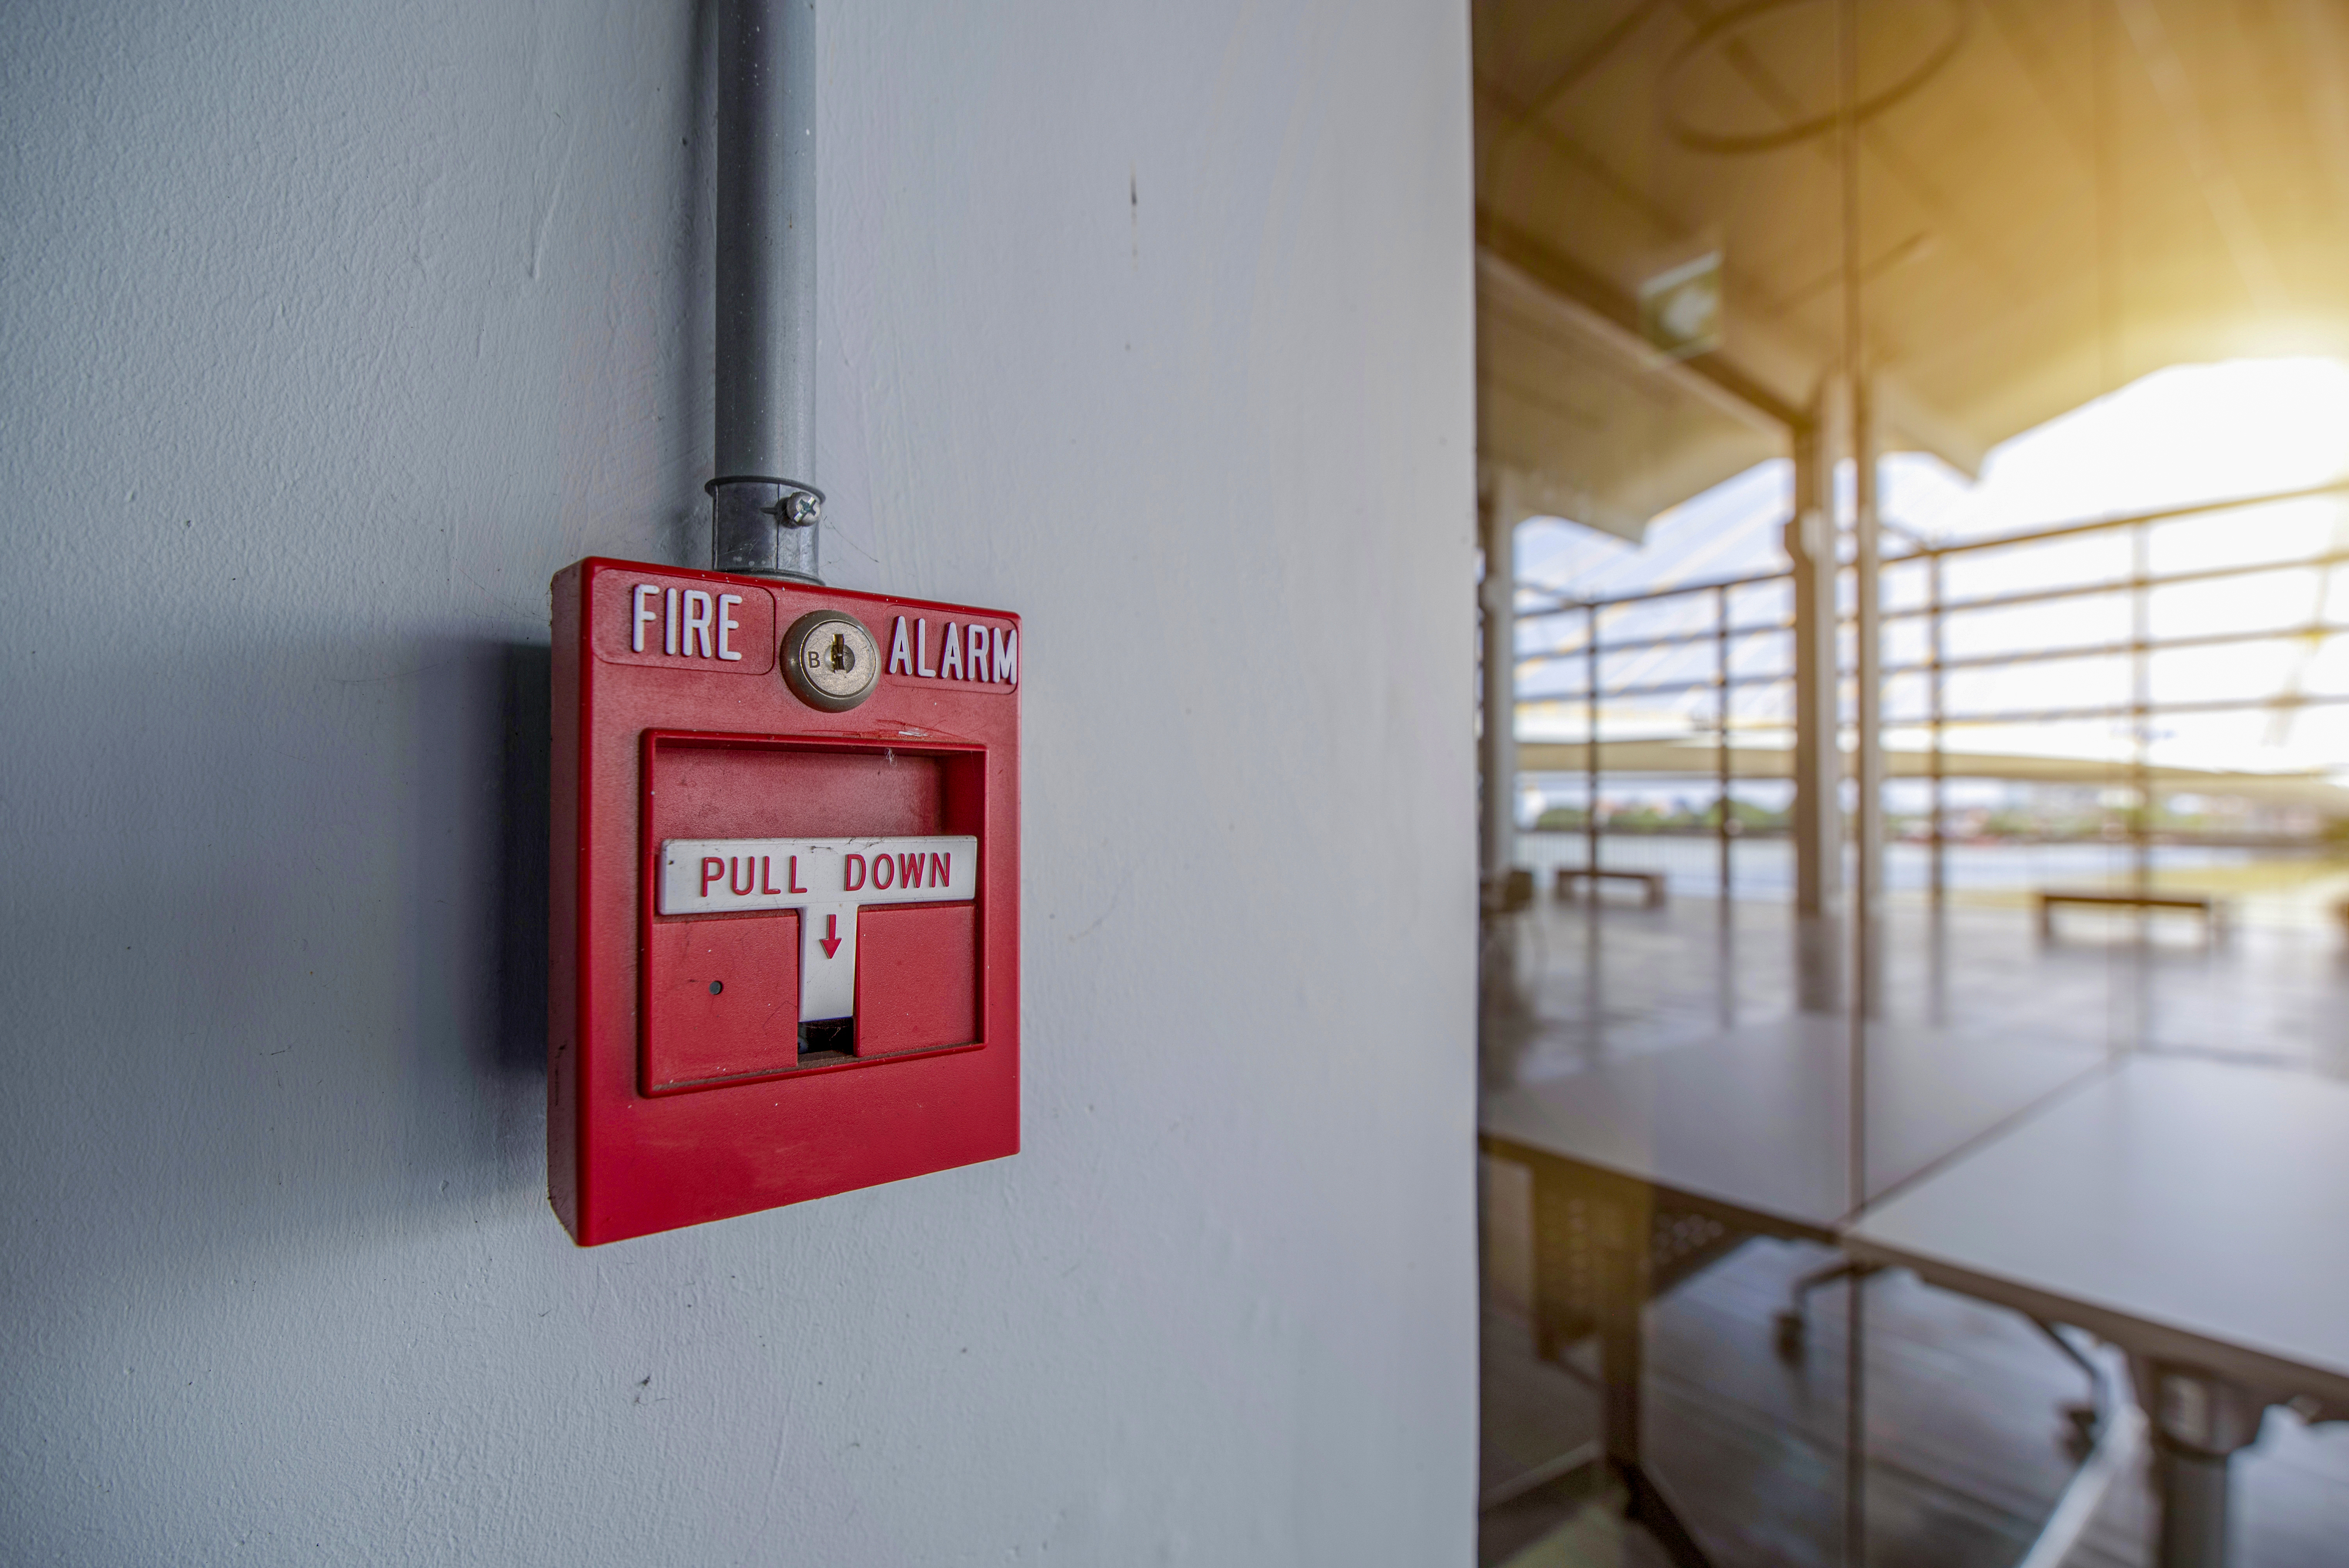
(830, 941)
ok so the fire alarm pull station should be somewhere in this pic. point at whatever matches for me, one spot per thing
(786, 894)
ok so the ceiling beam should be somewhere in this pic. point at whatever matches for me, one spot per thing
(1597, 310)
(1598, 306)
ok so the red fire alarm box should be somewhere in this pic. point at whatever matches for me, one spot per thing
(785, 912)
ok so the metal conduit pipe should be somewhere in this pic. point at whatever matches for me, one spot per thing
(765, 510)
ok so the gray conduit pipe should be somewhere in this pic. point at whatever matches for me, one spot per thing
(765, 511)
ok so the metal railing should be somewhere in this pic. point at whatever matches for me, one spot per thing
(2139, 583)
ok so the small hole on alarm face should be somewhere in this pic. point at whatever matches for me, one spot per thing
(716, 986)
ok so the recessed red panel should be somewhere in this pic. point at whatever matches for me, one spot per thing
(671, 1102)
(917, 979)
(721, 999)
(721, 789)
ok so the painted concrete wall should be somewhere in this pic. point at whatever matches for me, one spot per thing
(327, 333)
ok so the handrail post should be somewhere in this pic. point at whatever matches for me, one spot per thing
(2141, 775)
(1939, 838)
(1724, 826)
(2141, 707)
(1590, 754)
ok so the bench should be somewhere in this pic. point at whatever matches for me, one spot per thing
(2213, 911)
(1652, 881)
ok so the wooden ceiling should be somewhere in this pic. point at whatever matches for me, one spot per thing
(2055, 197)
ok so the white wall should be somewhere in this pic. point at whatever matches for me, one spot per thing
(327, 335)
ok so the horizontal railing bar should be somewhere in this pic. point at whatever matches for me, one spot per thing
(2116, 649)
(1562, 606)
(2331, 558)
(1646, 644)
(2208, 705)
(2122, 585)
(2126, 710)
(2132, 520)
(2039, 655)
(1659, 689)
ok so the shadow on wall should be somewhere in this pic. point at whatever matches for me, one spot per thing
(476, 916)
(525, 736)
(285, 975)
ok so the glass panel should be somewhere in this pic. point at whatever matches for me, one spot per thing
(1981, 916)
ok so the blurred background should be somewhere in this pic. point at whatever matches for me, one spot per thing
(1914, 471)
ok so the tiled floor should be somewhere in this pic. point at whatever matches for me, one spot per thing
(1639, 980)
(1967, 1447)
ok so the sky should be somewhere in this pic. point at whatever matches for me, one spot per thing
(2184, 434)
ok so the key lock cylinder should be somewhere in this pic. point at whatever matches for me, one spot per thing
(830, 660)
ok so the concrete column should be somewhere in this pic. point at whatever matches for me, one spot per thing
(1868, 740)
(1499, 750)
(1501, 975)
(1818, 754)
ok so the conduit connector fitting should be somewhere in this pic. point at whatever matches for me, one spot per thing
(766, 527)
